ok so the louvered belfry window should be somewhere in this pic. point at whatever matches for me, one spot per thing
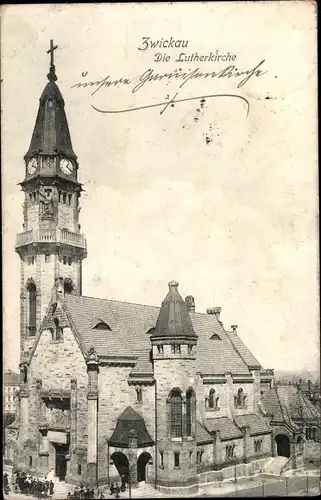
(176, 414)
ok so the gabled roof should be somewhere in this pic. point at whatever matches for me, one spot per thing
(173, 319)
(227, 428)
(128, 421)
(256, 424)
(243, 351)
(287, 404)
(202, 435)
(130, 322)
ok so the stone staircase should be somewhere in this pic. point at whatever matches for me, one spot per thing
(145, 491)
(275, 465)
(61, 490)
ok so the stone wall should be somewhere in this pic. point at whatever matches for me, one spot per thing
(56, 364)
(115, 395)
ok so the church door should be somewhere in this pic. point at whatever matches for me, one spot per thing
(61, 462)
(142, 461)
(283, 445)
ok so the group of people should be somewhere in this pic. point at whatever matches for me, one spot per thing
(21, 482)
(24, 483)
(82, 492)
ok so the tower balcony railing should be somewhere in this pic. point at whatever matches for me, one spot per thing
(51, 235)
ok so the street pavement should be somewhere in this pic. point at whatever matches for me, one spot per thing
(263, 485)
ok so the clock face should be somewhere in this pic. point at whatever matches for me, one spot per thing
(66, 166)
(32, 166)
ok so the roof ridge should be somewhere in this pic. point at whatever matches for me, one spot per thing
(140, 304)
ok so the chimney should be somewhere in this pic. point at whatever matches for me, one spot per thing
(190, 302)
(309, 386)
(234, 328)
(216, 311)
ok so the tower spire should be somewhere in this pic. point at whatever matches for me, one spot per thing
(52, 77)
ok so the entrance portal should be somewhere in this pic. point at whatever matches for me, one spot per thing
(121, 463)
(283, 445)
(142, 461)
(61, 461)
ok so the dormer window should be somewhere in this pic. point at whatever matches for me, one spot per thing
(215, 337)
(101, 325)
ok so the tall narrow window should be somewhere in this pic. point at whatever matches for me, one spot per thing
(176, 413)
(30, 461)
(176, 460)
(160, 349)
(32, 309)
(47, 258)
(211, 398)
(139, 395)
(189, 409)
(161, 462)
(58, 330)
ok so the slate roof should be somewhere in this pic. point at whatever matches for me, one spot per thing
(130, 333)
(243, 351)
(256, 424)
(51, 131)
(287, 404)
(227, 428)
(202, 435)
(173, 319)
(130, 420)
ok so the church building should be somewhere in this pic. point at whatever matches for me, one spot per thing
(107, 388)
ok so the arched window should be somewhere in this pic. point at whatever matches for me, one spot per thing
(240, 399)
(189, 412)
(176, 413)
(32, 291)
(211, 398)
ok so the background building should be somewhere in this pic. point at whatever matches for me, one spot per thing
(11, 382)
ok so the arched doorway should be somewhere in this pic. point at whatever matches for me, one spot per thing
(142, 461)
(121, 463)
(283, 445)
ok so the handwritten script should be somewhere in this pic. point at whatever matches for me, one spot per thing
(178, 74)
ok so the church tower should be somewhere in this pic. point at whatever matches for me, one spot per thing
(174, 344)
(51, 245)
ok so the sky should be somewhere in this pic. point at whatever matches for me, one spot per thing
(222, 202)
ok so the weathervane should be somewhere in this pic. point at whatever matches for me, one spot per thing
(52, 72)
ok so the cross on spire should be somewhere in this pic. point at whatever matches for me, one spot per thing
(52, 72)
